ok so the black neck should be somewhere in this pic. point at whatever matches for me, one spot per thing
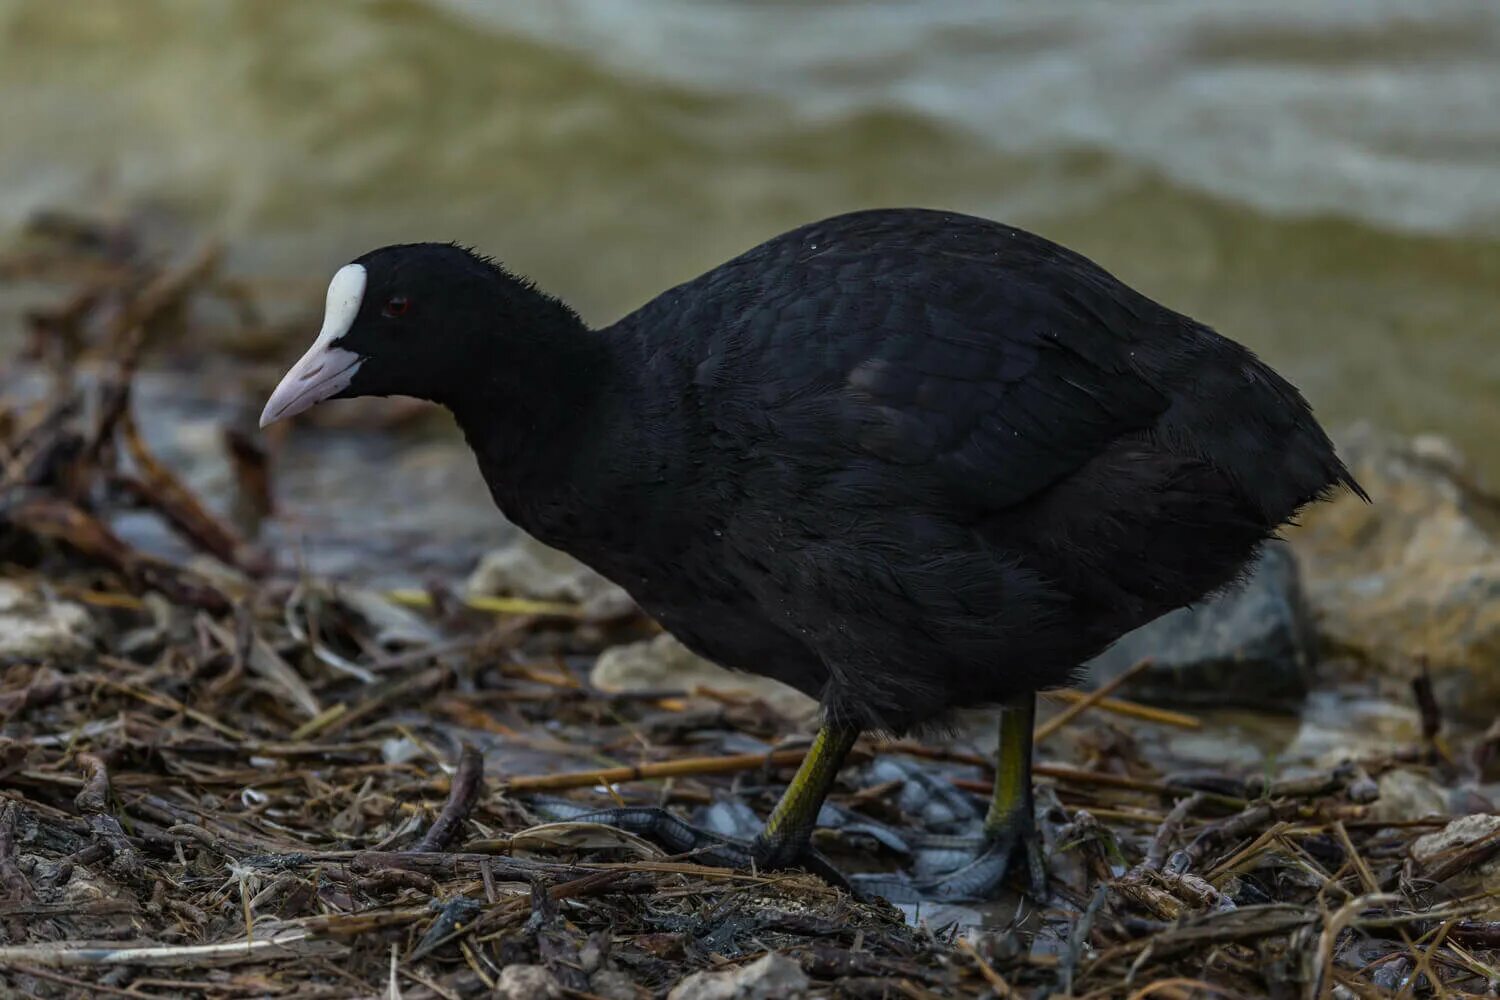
(530, 389)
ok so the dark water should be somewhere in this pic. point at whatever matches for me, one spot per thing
(1321, 181)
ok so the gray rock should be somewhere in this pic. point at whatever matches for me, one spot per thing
(612, 984)
(527, 568)
(527, 982)
(1413, 576)
(393, 625)
(771, 977)
(33, 627)
(1460, 833)
(1343, 724)
(663, 663)
(1434, 849)
(1252, 646)
(1408, 795)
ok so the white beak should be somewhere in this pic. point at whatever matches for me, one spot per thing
(324, 370)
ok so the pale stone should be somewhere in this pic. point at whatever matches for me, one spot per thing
(35, 628)
(771, 977)
(663, 663)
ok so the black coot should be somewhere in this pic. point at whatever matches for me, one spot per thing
(905, 461)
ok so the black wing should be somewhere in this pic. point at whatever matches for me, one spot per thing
(993, 360)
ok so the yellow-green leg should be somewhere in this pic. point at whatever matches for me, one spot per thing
(784, 840)
(1011, 798)
(1010, 823)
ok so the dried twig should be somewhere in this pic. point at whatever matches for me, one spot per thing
(727, 764)
(467, 780)
(1156, 854)
(165, 290)
(1253, 818)
(1089, 700)
(93, 801)
(1128, 709)
(294, 943)
(997, 982)
(61, 520)
(268, 663)
(158, 487)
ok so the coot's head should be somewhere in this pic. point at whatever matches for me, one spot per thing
(418, 319)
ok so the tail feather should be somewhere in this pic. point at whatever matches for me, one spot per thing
(1257, 427)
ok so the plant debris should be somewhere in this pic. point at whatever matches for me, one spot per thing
(242, 781)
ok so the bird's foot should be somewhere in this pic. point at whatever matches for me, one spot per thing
(1010, 829)
(769, 857)
(704, 846)
(1014, 847)
(674, 834)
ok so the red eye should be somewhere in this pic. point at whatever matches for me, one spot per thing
(397, 306)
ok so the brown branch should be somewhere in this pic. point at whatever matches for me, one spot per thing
(159, 488)
(70, 524)
(1466, 859)
(468, 778)
(254, 500)
(1255, 817)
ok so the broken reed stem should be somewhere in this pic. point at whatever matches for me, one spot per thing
(468, 778)
(492, 605)
(1088, 701)
(1128, 709)
(81, 988)
(997, 982)
(659, 769)
(1255, 817)
(61, 956)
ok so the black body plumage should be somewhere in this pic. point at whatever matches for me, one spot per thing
(905, 461)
